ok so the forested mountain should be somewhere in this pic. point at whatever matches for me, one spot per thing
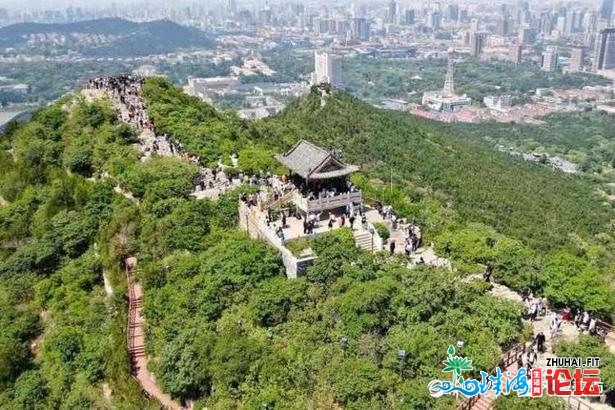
(105, 26)
(467, 196)
(523, 200)
(109, 37)
(462, 192)
(224, 326)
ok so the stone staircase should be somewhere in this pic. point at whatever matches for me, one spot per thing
(363, 240)
(507, 364)
(485, 402)
(282, 199)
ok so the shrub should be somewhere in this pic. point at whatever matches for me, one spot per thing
(383, 230)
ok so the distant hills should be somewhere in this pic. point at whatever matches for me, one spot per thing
(104, 37)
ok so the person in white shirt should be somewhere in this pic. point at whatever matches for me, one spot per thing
(592, 326)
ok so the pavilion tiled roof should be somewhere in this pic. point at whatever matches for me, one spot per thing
(312, 162)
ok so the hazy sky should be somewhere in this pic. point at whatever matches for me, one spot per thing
(60, 4)
(92, 4)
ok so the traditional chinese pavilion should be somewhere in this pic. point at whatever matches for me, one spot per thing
(321, 179)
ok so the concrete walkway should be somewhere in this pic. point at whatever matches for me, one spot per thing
(148, 140)
(426, 252)
(567, 332)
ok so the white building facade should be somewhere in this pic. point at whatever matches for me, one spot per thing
(327, 69)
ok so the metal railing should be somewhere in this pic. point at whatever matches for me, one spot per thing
(576, 404)
(509, 357)
(130, 334)
(316, 205)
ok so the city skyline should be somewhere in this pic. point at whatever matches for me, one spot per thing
(59, 4)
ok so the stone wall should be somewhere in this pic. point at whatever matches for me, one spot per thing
(295, 267)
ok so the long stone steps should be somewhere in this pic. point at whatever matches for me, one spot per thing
(363, 240)
(485, 402)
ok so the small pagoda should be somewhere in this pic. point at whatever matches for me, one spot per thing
(320, 177)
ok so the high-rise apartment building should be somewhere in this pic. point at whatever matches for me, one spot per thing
(477, 42)
(515, 54)
(327, 69)
(409, 17)
(392, 13)
(606, 9)
(434, 20)
(577, 59)
(527, 35)
(549, 59)
(360, 29)
(502, 26)
(474, 25)
(604, 55)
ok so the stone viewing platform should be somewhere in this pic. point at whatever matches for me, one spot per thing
(317, 197)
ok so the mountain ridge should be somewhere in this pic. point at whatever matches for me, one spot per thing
(126, 37)
(109, 25)
(219, 310)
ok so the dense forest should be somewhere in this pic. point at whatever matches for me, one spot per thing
(61, 229)
(62, 336)
(585, 138)
(224, 326)
(474, 203)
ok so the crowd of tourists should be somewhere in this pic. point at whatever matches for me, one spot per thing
(126, 90)
(312, 220)
(326, 191)
(533, 306)
(583, 320)
(530, 357)
(412, 238)
(586, 322)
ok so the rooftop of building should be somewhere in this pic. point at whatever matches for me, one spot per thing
(440, 96)
(312, 162)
